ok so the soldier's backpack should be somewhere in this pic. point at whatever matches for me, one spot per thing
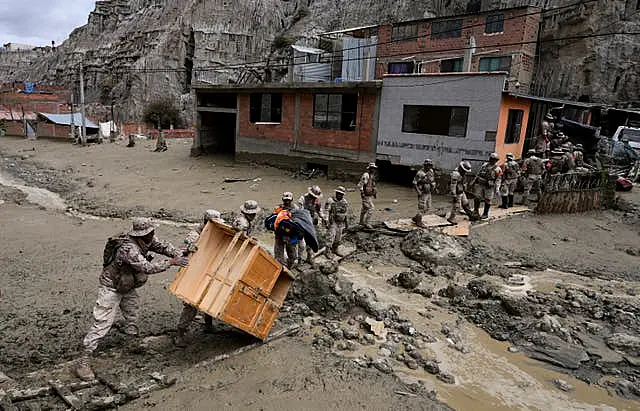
(111, 248)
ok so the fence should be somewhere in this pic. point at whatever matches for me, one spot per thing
(577, 192)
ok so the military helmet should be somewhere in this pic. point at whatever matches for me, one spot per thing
(141, 226)
(287, 196)
(549, 116)
(372, 165)
(531, 151)
(212, 215)
(466, 166)
(578, 147)
(510, 156)
(557, 152)
(341, 190)
(428, 162)
(315, 191)
(250, 207)
(494, 157)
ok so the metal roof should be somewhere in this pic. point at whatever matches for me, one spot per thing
(556, 100)
(309, 50)
(289, 87)
(16, 115)
(65, 119)
(328, 33)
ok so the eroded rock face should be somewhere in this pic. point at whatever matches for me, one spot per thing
(428, 248)
(136, 50)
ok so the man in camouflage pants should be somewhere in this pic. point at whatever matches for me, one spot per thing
(511, 172)
(368, 192)
(532, 170)
(337, 209)
(457, 191)
(248, 212)
(189, 312)
(127, 271)
(487, 184)
(312, 202)
(424, 183)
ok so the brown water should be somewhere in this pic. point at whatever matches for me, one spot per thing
(488, 377)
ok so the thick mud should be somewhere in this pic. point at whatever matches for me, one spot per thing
(530, 312)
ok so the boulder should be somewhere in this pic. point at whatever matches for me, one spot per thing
(628, 344)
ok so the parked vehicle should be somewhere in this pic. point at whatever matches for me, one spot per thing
(628, 134)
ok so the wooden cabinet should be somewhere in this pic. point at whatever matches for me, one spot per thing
(233, 279)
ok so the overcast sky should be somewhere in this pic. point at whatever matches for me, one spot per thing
(37, 22)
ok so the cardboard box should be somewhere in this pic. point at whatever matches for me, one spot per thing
(233, 279)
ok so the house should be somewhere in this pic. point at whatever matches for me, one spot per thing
(495, 40)
(449, 117)
(332, 125)
(59, 125)
(17, 123)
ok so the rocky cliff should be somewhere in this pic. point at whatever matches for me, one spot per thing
(136, 50)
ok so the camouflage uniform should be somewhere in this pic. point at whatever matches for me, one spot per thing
(457, 191)
(487, 183)
(337, 214)
(367, 186)
(533, 167)
(579, 158)
(314, 206)
(130, 262)
(556, 163)
(280, 244)
(424, 182)
(511, 172)
(569, 162)
(241, 223)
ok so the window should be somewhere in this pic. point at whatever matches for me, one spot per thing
(335, 111)
(494, 24)
(401, 68)
(490, 135)
(495, 64)
(404, 32)
(446, 29)
(265, 108)
(451, 66)
(514, 127)
(436, 120)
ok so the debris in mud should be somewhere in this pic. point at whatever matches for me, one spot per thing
(427, 247)
(563, 385)
(629, 344)
(446, 378)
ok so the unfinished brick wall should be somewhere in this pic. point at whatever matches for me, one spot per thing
(277, 132)
(520, 25)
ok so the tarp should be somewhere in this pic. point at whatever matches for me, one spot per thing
(106, 128)
(302, 221)
(65, 119)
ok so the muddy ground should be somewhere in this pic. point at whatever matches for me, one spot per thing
(556, 293)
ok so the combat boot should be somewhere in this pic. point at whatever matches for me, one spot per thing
(485, 214)
(84, 371)
(504, 202)
(417, 219)
(181, 341)
(208, 324)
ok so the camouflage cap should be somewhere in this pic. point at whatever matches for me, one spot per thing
(287, 196)
(465, 165)
(372, 165)
(510, 156)
(212, 215)
(250, 207)
(341, 190)
(315, 191)
(141, 226)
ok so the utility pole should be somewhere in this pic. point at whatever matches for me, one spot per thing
(73, 125)
(82, 110)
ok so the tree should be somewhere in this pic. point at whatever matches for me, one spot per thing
(162, 112)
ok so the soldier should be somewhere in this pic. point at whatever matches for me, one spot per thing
(569, 162)
(368, 192)
(486, 185)
(532, 169)
(578, 155)
(311, 201)
(282, 244)
(424, 182)
(126, 268)
(244, 222)
(337, 209)
(511, 173)
(555, 165)
(548, 124)
(188, 311)
(458, 188)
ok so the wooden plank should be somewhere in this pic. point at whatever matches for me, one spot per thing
(461, 229)
(406, 224)
(205, 284)
(67, 396)
(500, 213)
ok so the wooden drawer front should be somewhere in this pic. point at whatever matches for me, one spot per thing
(243, 308)
(262, 273)
(266, 319)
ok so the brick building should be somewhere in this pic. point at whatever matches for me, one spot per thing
(332, 125)
(489, 41)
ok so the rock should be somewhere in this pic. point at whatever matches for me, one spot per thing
(352, 345)
(430, 247)
(411, 364)
(407, 328)
(515, 305)
(424, 290)
(4, 378)
(513, 349)
(336, 334)
(483, 289)
(549, 324)
(383, 366)
(329, 267)
(628, 344)
(447, 378)
(563, 385)
(415, 354)
(568, 355)
(376, 327)
(431, 367)
(91, 183)
(453, 291)
(384, 352)
(351, 333)
(558, 310)
(341, 346)
(408, 280)
(368, 339)
(401, 358)
(392, 347)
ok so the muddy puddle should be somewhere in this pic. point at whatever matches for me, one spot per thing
(488, 376)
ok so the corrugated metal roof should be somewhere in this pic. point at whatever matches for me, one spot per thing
(308, 50)
(65, 119)
(328, 33)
